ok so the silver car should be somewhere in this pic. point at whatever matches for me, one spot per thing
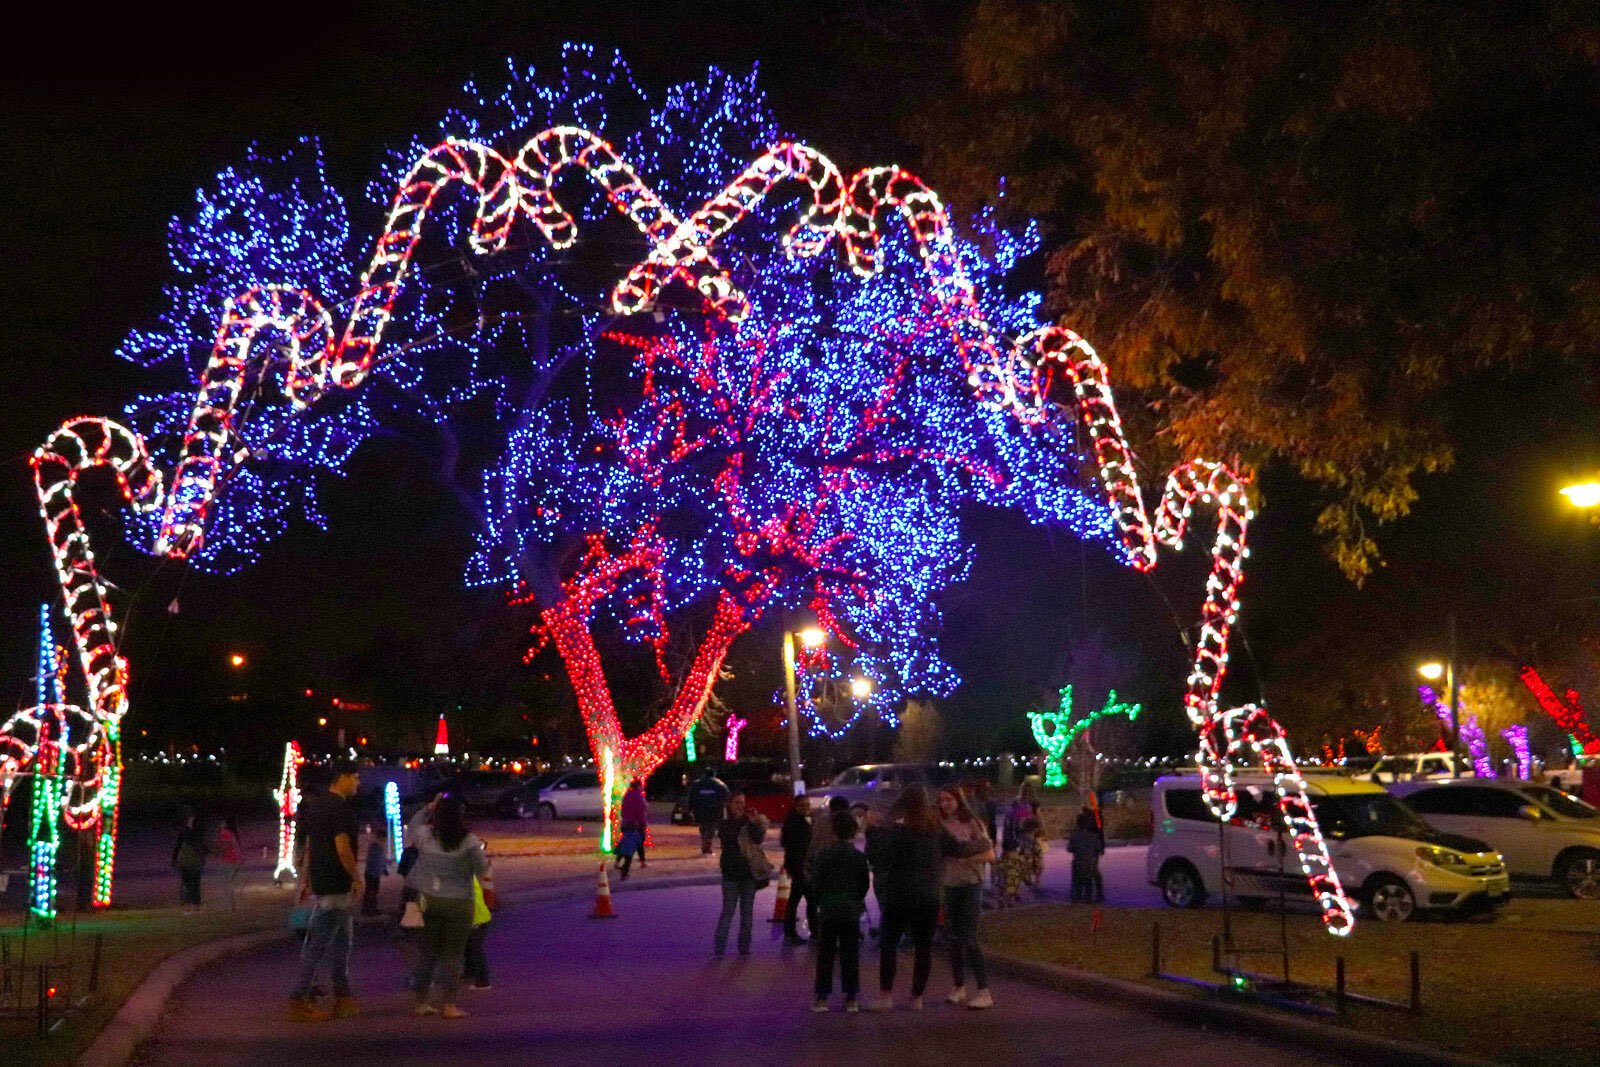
(876, 785)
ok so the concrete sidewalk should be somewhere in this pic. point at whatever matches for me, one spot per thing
(570, 990)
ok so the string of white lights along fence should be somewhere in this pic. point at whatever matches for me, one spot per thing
(1019, 378)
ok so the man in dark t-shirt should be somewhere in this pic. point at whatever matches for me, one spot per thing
(329, 874)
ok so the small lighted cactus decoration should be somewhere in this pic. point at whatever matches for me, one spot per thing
(1056, 730)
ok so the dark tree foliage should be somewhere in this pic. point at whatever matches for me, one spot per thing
(1294, 230)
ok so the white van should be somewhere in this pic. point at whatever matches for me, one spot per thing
(1385, 856)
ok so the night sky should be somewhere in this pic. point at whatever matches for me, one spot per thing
(112, 126)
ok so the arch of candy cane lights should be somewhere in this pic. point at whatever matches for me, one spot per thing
(1027, 379)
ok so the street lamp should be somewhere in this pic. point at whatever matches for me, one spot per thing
(811, 637)
(236, 659)
(861, 688)
(1431, 671)
(1583, 494)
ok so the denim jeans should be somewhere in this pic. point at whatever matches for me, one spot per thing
(741, 895)
(962, 906)
(328, 935)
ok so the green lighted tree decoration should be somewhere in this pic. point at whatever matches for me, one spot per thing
(1055, 730)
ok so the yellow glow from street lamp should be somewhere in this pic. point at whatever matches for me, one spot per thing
(236, 659)
(812, 637)
(1431, 671)
(322, 721)
(1583, 495)
(860, 687)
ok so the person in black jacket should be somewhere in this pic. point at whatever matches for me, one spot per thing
(189, 860)
(708, 797)
(795, 837)
(839, 893)
(907, 857)
(739, 880)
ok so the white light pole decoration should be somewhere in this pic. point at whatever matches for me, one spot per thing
(288, 797)
(1048, 374)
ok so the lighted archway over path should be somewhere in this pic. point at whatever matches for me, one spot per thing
(1032, 379)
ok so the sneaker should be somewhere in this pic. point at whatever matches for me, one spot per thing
(916, 1003)
(307, 1010)
(958, 995)
(346, 1008)
(981, 999)
(851, 1006)
(450, 1011)
(424, 1009)
(883, 1003)
(819, 1006)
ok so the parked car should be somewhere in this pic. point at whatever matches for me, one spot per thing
(1385, 856)
(573, 795)
(876, 785)
(1425, 766)
(1542, 832)
(503, 793)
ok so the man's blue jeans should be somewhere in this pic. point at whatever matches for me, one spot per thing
(327, 936)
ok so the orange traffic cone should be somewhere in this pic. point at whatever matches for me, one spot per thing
(602, 898)
(780, 906)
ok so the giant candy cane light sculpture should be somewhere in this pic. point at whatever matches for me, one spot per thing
(1019, 378)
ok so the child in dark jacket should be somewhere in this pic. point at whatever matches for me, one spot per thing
(1086, 845)
(840, 890)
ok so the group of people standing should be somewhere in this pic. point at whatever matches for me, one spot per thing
(191, 850)
(920, 858)
(449, 888)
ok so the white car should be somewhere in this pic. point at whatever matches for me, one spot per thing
(1542, 832)
(573, 795)
(1423, 766)
(1385, 856)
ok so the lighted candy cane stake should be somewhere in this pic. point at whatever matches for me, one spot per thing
(730, 751)
(288, 797)
(79, 445)
(391, 814)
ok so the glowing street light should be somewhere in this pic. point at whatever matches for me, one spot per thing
(236, 659)
(1431, 671)
(1583, 494)
(861, 688)
(812, 637)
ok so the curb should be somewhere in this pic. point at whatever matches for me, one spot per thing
(1337, 1041)
(136, 1020)
(115, 1044)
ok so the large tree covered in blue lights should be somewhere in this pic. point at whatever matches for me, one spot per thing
(671, 477)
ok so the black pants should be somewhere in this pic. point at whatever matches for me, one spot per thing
(919, 918)
(799, 887)
(189, 885)
(842, 938)
(476, 967)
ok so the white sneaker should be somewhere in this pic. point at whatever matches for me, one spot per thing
(820, 1006)
(981, 999)
(916, 1003)
(883, 1003)
(958, 995)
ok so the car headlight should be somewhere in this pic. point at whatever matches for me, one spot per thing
(1441, 857)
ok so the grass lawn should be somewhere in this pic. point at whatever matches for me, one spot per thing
(135, 942)
(1498, 991)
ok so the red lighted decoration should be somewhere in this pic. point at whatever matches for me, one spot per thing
(1568, 714)
(441, 738)
(1028, 379)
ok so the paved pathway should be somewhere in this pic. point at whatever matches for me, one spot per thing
(643, 988)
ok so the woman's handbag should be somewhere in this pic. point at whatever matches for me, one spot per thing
(756, 858)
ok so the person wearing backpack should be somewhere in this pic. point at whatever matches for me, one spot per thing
(745, 869)
(839, 891)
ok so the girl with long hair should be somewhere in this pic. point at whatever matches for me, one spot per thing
(449, 856)
(963, 897)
